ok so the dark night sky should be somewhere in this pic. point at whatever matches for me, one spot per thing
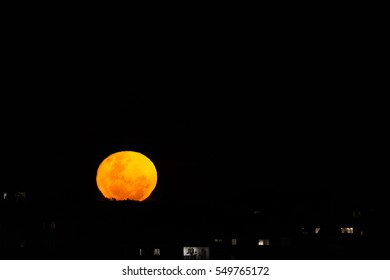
(218, 126)
(291, 119)
(221, 150)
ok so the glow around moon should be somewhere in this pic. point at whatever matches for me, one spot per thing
(126, 175)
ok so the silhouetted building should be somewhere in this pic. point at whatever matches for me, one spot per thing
(152, 230)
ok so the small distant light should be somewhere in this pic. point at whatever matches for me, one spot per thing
(263, 242)
(347, 230)
(317, 230)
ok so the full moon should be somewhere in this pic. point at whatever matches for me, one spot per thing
(126, 175)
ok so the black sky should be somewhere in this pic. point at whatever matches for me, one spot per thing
(213, 148)
(220, 125)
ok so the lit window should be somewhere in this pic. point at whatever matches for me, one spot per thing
(141, 252)
(5, 195)
(317, 230)
(263, 242)
(156, 252)
(347, 230)
(196, 253)
(234, 241)
(218, 240)
(189, 251)
(361, 233)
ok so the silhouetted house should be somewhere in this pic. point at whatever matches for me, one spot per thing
(131, 230)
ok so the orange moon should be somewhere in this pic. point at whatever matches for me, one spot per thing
(126, 175)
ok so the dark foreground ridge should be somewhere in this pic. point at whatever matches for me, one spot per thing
(293, 226)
